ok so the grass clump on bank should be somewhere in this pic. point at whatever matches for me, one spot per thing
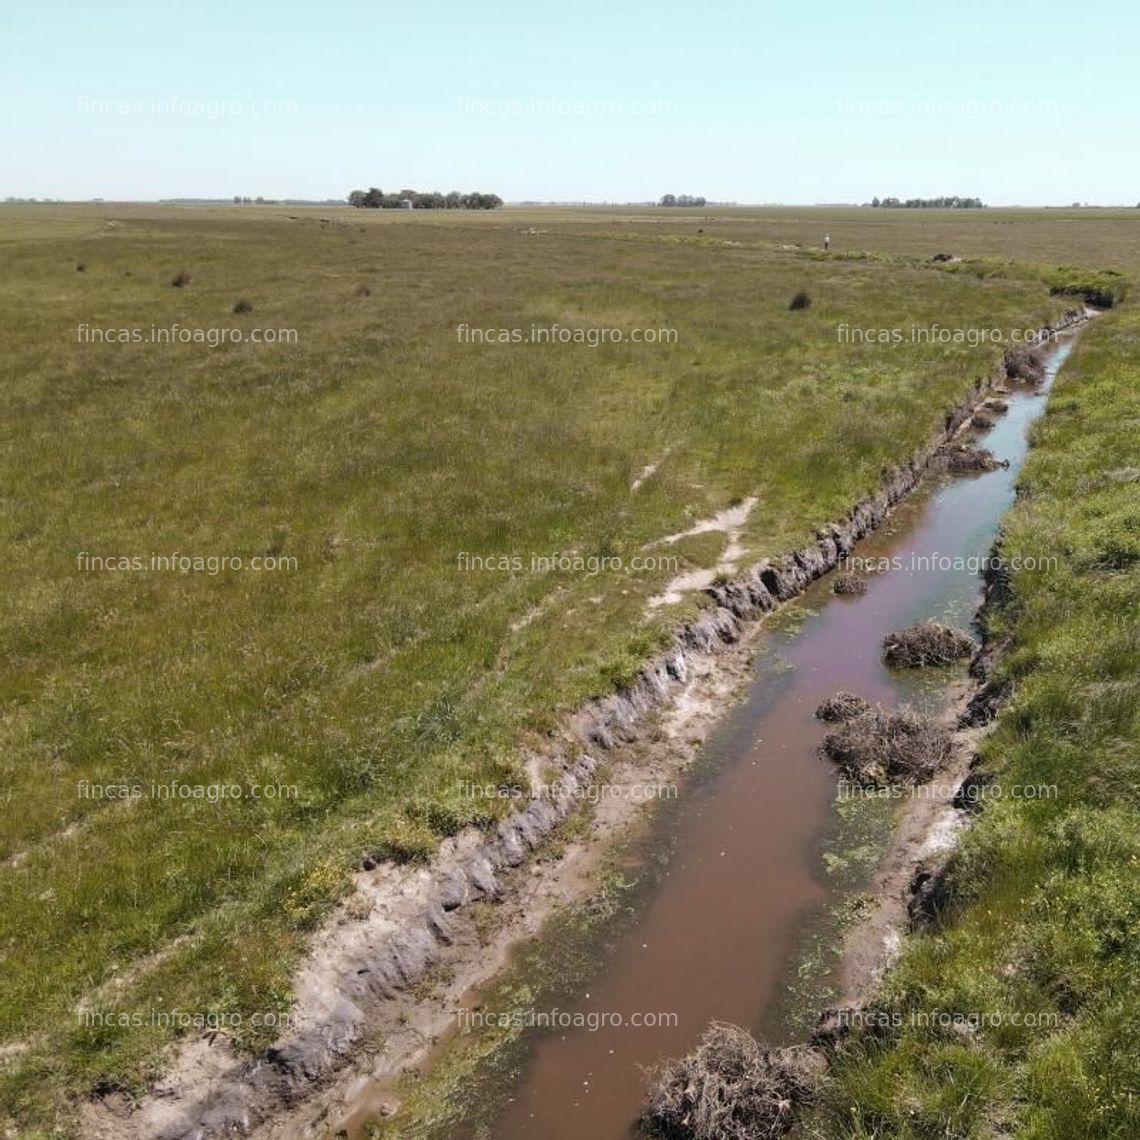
(1020, 1015)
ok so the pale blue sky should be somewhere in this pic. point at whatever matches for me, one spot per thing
(1016, 102)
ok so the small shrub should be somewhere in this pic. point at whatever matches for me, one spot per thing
(928, 643)
(800, 301)
(180, 279)
(241, 305)
(81, 268)
(363, 291)
(982, 420)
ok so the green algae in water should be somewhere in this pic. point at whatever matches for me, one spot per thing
(860, 836)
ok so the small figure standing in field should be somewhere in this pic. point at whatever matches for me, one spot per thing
(826, 242)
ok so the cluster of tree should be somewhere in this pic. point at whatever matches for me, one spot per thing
(681, 200)
(376, 199)
(953, 202)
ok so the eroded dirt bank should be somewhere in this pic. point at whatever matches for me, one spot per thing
(356, 987)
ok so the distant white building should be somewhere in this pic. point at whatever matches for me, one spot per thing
(405, 203)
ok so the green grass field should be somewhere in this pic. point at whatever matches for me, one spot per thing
(371, 672)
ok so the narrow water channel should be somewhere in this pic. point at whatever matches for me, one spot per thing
(741, 847)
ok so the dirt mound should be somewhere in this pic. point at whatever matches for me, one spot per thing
(928, 643)
(881, 747)
(730, 1088)
(850, 584)
(1027, 364)
(843, 706)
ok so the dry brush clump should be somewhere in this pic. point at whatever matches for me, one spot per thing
(850, 584)
(881, 747)
(927, 643)
(730, 1088)
(983, 420)
(964, 459)
(842, 706)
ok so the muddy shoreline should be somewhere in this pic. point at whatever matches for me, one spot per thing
(357, 985)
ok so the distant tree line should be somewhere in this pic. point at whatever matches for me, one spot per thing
(681, 200)
(376, 199)
(954, 202)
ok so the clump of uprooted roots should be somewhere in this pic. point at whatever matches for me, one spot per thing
(928, 643)
(1024, 364)
(730, 1088)
(850, 584)
(881, 747)
(963, 458)
(843, 706)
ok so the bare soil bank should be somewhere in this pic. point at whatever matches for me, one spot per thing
(357, 986)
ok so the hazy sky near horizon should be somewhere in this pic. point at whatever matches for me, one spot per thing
(623, 100)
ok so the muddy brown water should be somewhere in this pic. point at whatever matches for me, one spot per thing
(740, 848)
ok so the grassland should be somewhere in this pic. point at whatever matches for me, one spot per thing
(1020, 1016)
(370, 674)
(1092, 238)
